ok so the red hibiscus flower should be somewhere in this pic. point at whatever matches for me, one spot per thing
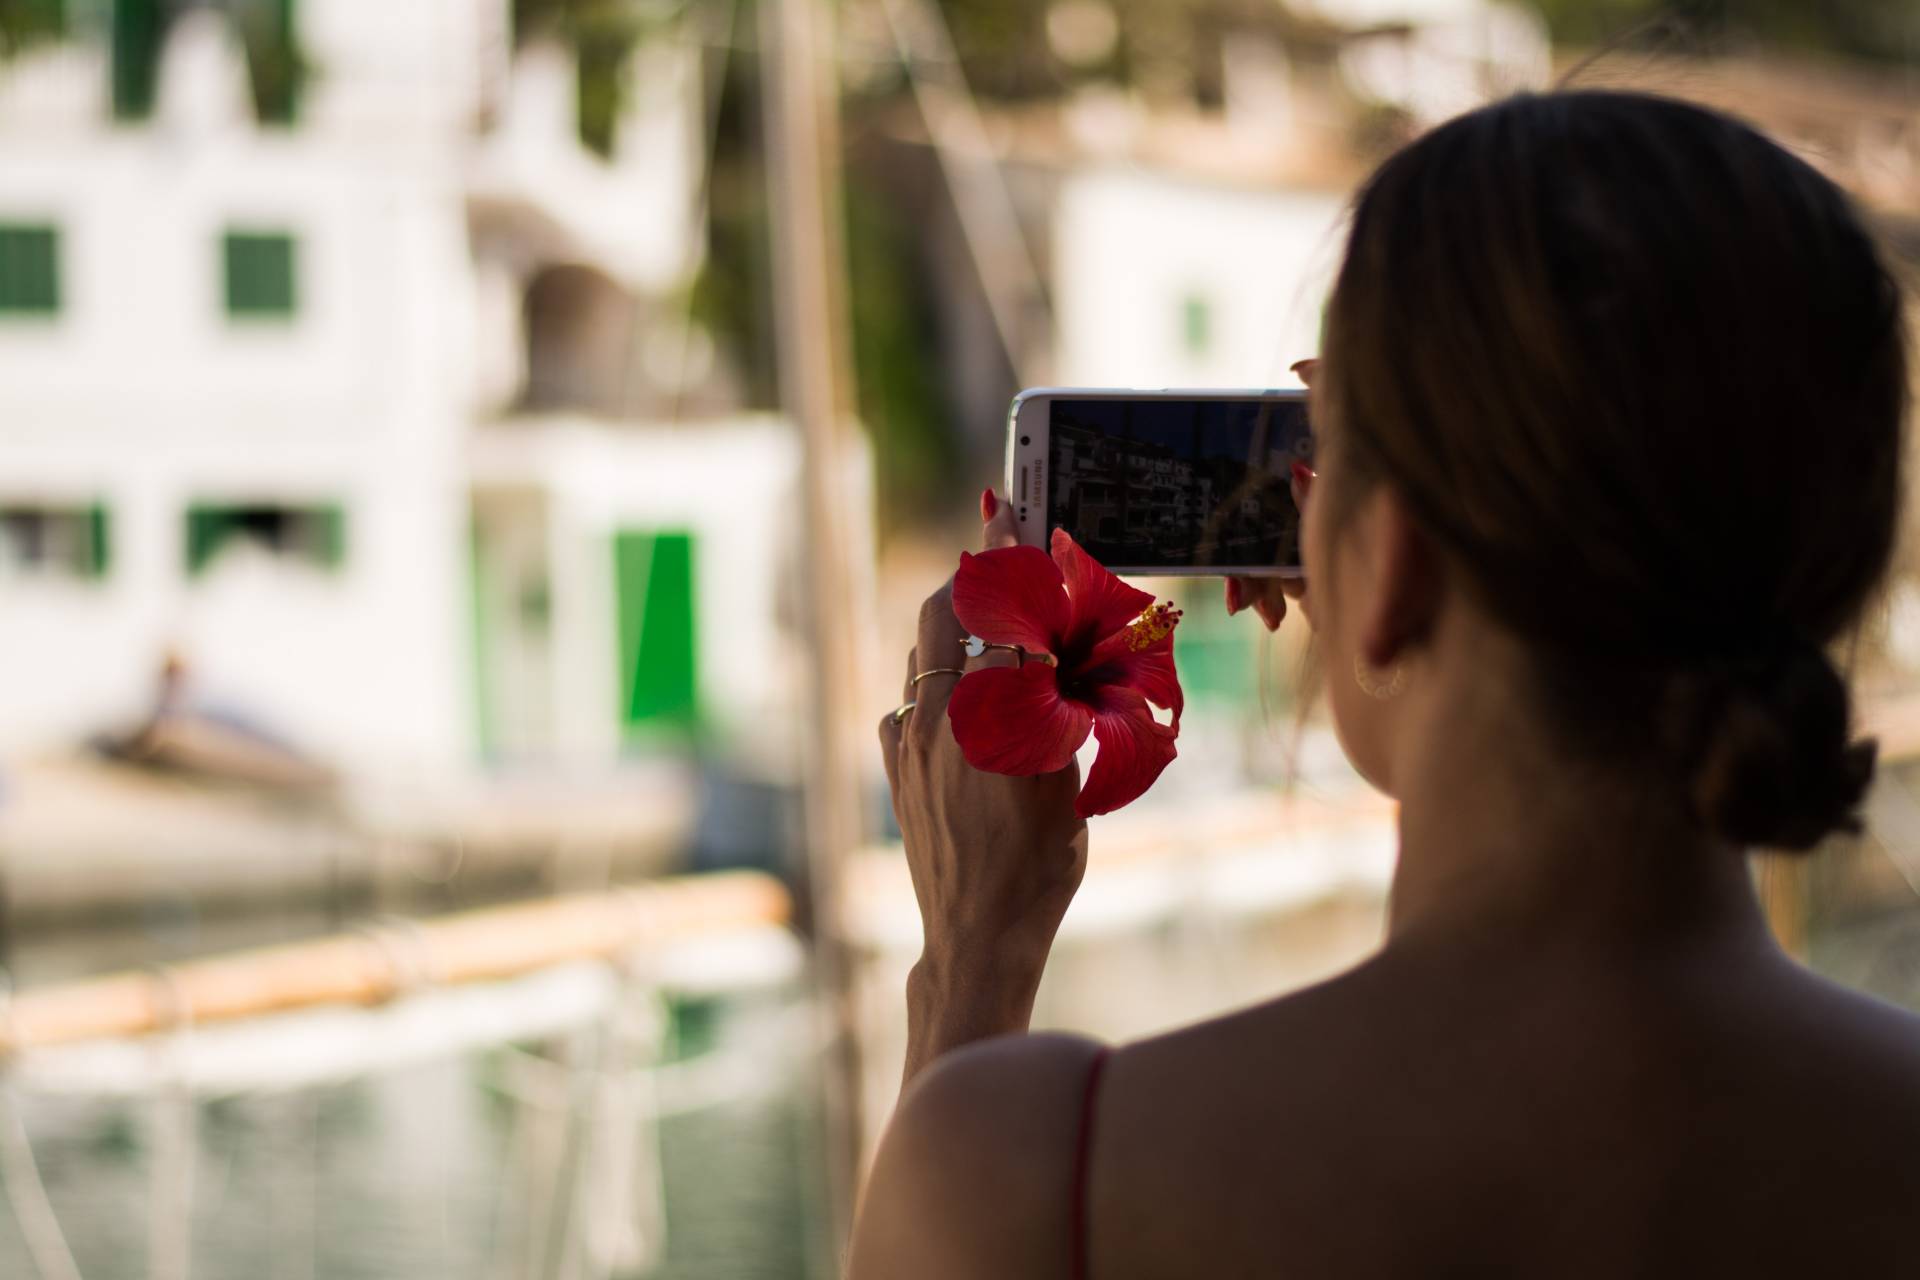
(1112, 653)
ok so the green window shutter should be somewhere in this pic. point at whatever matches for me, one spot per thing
(315, 535)
(206, 530)
(260, 275)
(29, 269)
(137, 32)
(68, 542)
(99, 548)
(659, 656)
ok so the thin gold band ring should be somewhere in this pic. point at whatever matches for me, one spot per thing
(976, 647)
(935, 671)
(901, 712)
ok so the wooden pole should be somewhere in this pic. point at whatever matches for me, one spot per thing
(797, 101)
(386, 960)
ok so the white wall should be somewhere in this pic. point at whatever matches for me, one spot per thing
(1130, 246)
(734, 486)
(635, 216)
(367, 661)
(143, 394)
(398, 71)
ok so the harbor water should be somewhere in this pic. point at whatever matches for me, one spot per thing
(519, 1160)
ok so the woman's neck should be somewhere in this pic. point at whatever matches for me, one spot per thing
(1503, 842)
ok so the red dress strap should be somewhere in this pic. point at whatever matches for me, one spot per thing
(1082, 1164)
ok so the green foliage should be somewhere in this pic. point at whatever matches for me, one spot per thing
(733, 298)
(602, 35)
(276, 66)
(1874, 29)
(602, 94)
(138, 26)
(1003, 46)
(24, 23)
(894, 344)
(896, 374)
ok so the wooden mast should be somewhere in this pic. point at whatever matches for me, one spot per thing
(799, 104)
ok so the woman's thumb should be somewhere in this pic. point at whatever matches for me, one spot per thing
(1000, 530)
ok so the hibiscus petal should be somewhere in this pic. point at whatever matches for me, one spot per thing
(1101, 602)
(1013, 720)
(1134, 748)
(1012, 595)
(1149, 671)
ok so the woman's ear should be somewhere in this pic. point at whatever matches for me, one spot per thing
(1409, 581)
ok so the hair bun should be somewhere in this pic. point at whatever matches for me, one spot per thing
(1777, 765)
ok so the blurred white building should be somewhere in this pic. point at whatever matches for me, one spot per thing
(367, 411)
(1186, 236)
(1228, 306)
(1196, 250)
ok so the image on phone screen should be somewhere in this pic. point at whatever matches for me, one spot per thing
(1162, 483)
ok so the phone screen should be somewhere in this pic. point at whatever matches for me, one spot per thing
(1160, 483)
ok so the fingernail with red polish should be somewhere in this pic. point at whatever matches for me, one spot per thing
(989, 504)
(1302, 474)
(1233, 596)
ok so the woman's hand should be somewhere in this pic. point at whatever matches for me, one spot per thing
(1268, 597)
(995, 860)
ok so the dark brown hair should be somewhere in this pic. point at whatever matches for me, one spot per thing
(1642, 374)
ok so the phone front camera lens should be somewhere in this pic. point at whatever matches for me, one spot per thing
(1026, 440)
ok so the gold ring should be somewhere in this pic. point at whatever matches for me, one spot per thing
(901, 712)
(975, 647)
(936, 671)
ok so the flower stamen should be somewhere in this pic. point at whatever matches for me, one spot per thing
(1151, 627)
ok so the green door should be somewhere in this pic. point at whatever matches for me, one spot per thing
(659, 659)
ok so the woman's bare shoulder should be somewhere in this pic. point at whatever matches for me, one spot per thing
(973, 1175)
(1296, 1022)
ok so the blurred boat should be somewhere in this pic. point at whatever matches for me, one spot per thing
(198, 823)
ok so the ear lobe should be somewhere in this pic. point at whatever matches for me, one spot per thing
(1408, 587)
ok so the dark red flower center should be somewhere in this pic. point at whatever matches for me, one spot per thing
(1082, 674)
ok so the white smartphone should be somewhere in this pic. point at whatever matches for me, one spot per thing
(1162, 482)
